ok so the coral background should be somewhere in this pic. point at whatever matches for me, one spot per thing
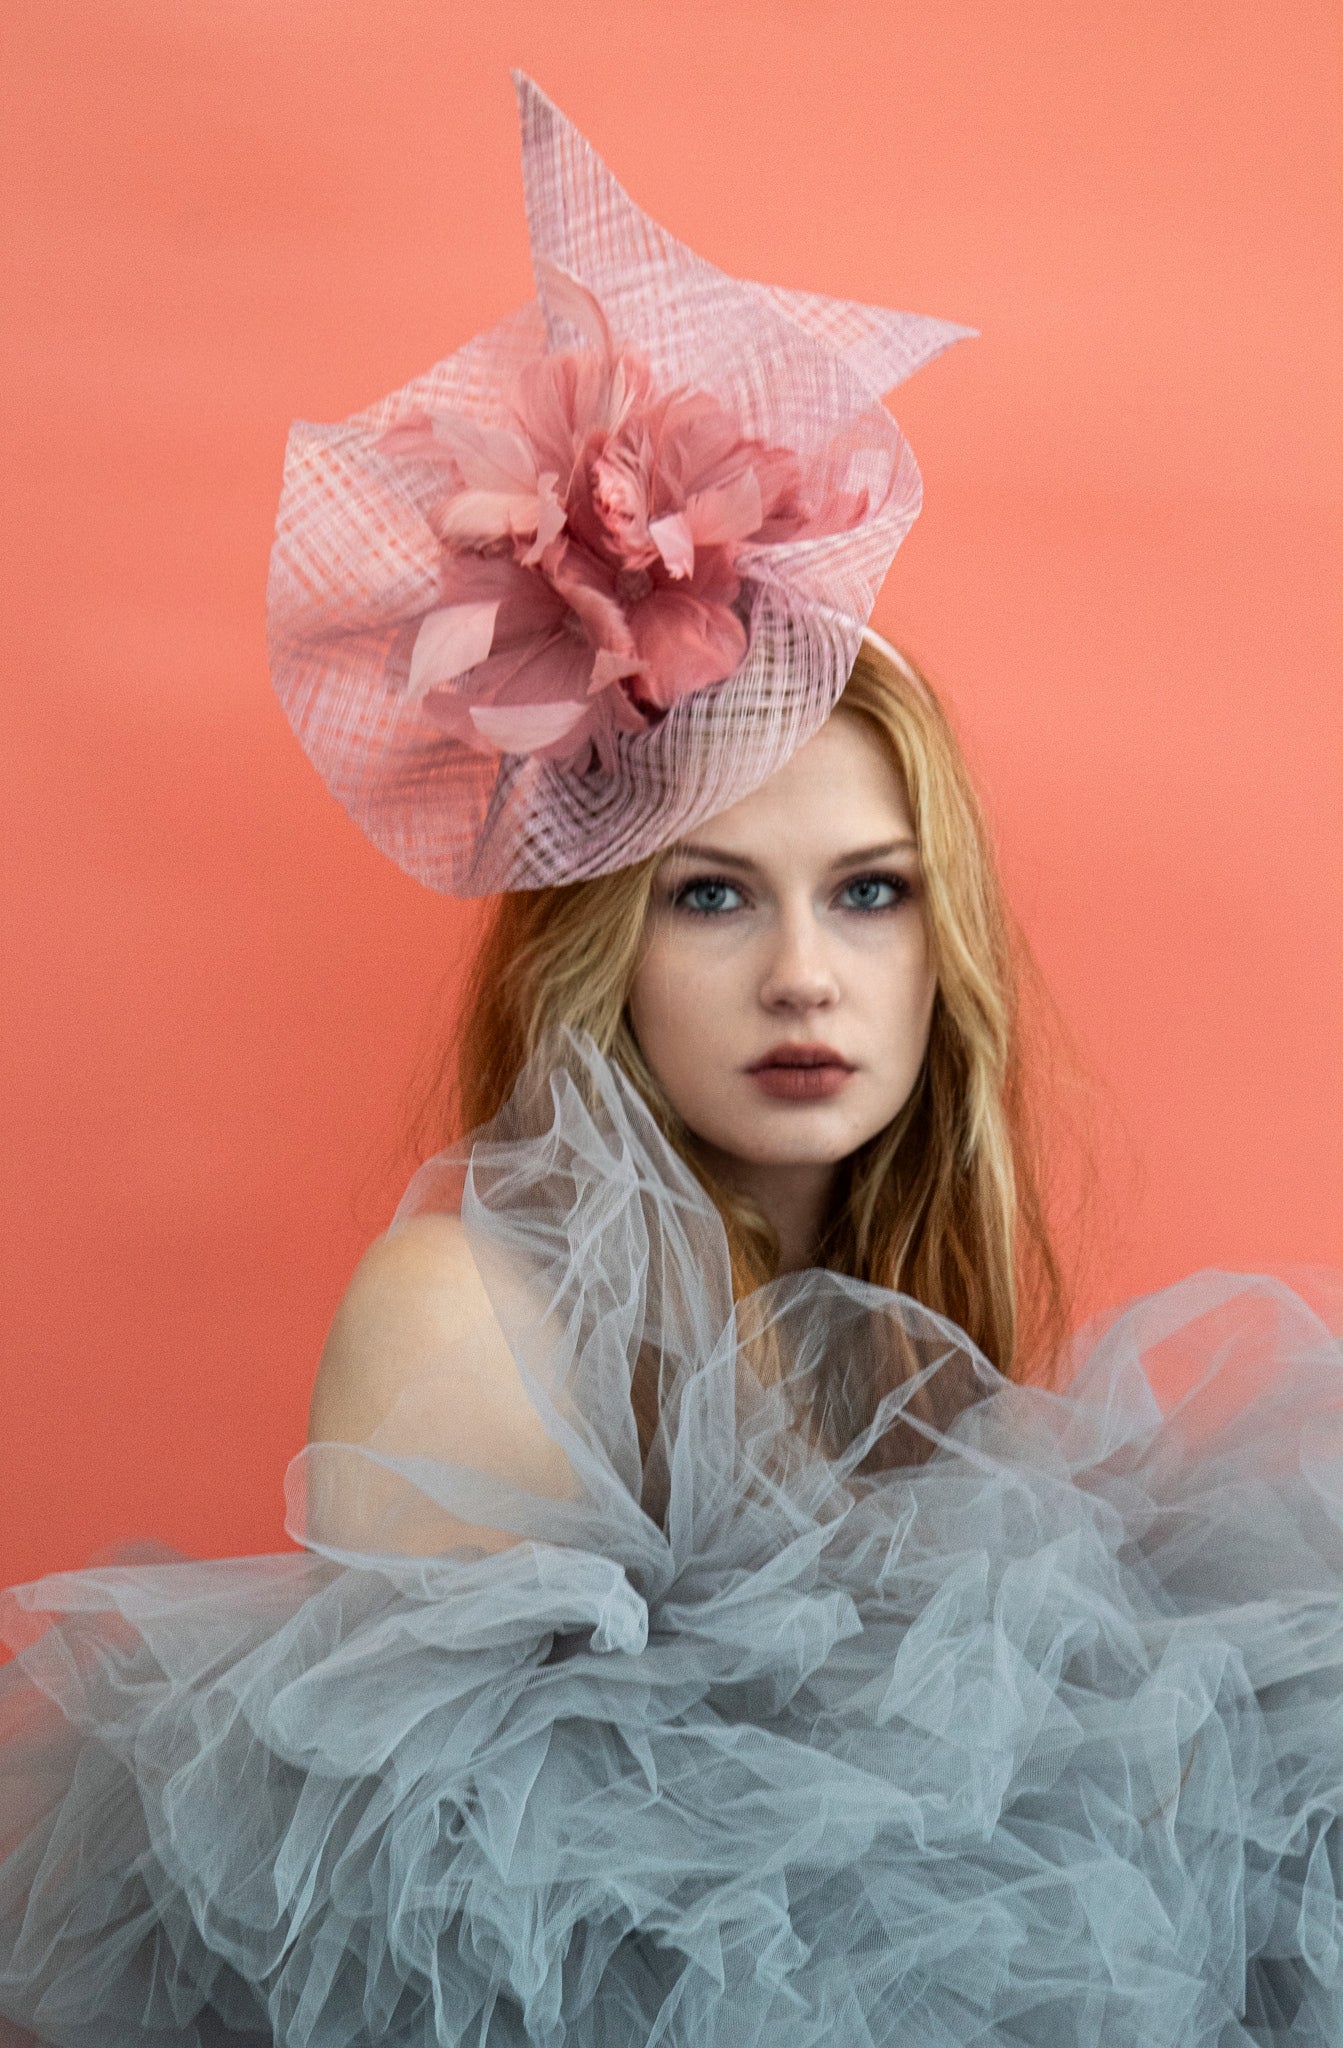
(223, 215)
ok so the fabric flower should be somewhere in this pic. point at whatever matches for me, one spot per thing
(590, 550)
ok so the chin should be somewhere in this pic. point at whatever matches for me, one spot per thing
(822, 1153)
(824, 1144)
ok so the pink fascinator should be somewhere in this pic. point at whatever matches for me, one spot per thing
(599, 573)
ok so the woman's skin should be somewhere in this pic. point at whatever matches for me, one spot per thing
(792, 919)
(787, 928)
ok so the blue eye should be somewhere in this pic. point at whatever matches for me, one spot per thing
(707, 897)
(876, 892)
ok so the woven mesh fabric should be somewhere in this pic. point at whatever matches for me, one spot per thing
(356, 565)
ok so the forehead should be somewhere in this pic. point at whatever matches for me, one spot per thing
(841, 788)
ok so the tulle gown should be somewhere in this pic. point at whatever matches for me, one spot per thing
(980, 1715)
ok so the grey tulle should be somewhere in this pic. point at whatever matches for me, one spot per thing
(1030, 1734)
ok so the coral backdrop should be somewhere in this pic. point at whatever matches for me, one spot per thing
(223, 215)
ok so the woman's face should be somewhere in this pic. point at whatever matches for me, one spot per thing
(785, 988)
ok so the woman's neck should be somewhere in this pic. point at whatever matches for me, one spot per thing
(794, 1200)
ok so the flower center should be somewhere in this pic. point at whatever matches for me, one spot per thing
(633, 585)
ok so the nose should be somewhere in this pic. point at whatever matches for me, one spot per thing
(798, 975)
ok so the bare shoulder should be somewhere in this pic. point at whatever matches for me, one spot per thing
(416, 1357)
(415, 1348)
(415, 1306)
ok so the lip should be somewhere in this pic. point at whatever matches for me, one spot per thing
(800, 1073)
(810, 1055)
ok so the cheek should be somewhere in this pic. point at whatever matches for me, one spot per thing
(663, 1006)
(682, 1006)
(901, 995)
(918, 984)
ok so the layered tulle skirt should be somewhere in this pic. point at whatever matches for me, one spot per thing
(883, 1702)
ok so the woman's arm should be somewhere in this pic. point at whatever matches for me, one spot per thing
(415, 1354)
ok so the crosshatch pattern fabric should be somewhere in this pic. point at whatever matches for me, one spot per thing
(356, 565)
(963, 1712)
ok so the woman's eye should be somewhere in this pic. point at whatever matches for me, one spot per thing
(876, 892)
(707, 897)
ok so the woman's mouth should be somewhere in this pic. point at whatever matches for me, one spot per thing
(800, 1073)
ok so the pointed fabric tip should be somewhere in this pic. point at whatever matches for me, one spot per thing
(581, 218)
(879, 346)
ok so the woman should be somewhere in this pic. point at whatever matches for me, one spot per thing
(814, 996)
(704, 1631)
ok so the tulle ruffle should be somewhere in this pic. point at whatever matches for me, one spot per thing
(1033, 1735)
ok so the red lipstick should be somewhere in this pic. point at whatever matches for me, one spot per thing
(800, 1073)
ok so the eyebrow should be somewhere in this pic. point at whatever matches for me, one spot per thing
(687, 850)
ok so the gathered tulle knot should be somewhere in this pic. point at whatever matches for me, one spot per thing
(623, 1625)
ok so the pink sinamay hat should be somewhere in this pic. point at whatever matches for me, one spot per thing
(595, 576)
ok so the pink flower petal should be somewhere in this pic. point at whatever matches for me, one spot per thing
(589, 591)
(564, 297)
(726, 512)
(524, 728)
(618, 479)
(545, 668)
(554, 403)
(699, 442)
(472, 519)
(685, 643)
(413, 434)
(608, 668)
(489, 458)
(780, 479)
(715, 580)
(528, 608)
(675, 542)
(449, 642)
(549, 519)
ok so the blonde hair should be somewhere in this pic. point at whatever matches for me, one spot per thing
(945, 1202)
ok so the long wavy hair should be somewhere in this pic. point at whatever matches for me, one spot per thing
(945, 1203)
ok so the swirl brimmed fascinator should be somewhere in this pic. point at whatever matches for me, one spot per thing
(595, 576)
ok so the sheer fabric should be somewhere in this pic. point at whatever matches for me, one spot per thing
(1034, 1736)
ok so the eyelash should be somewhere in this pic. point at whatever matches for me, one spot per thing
(899, 883)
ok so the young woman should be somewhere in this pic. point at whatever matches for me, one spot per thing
(814, 996)
(709, 1626)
